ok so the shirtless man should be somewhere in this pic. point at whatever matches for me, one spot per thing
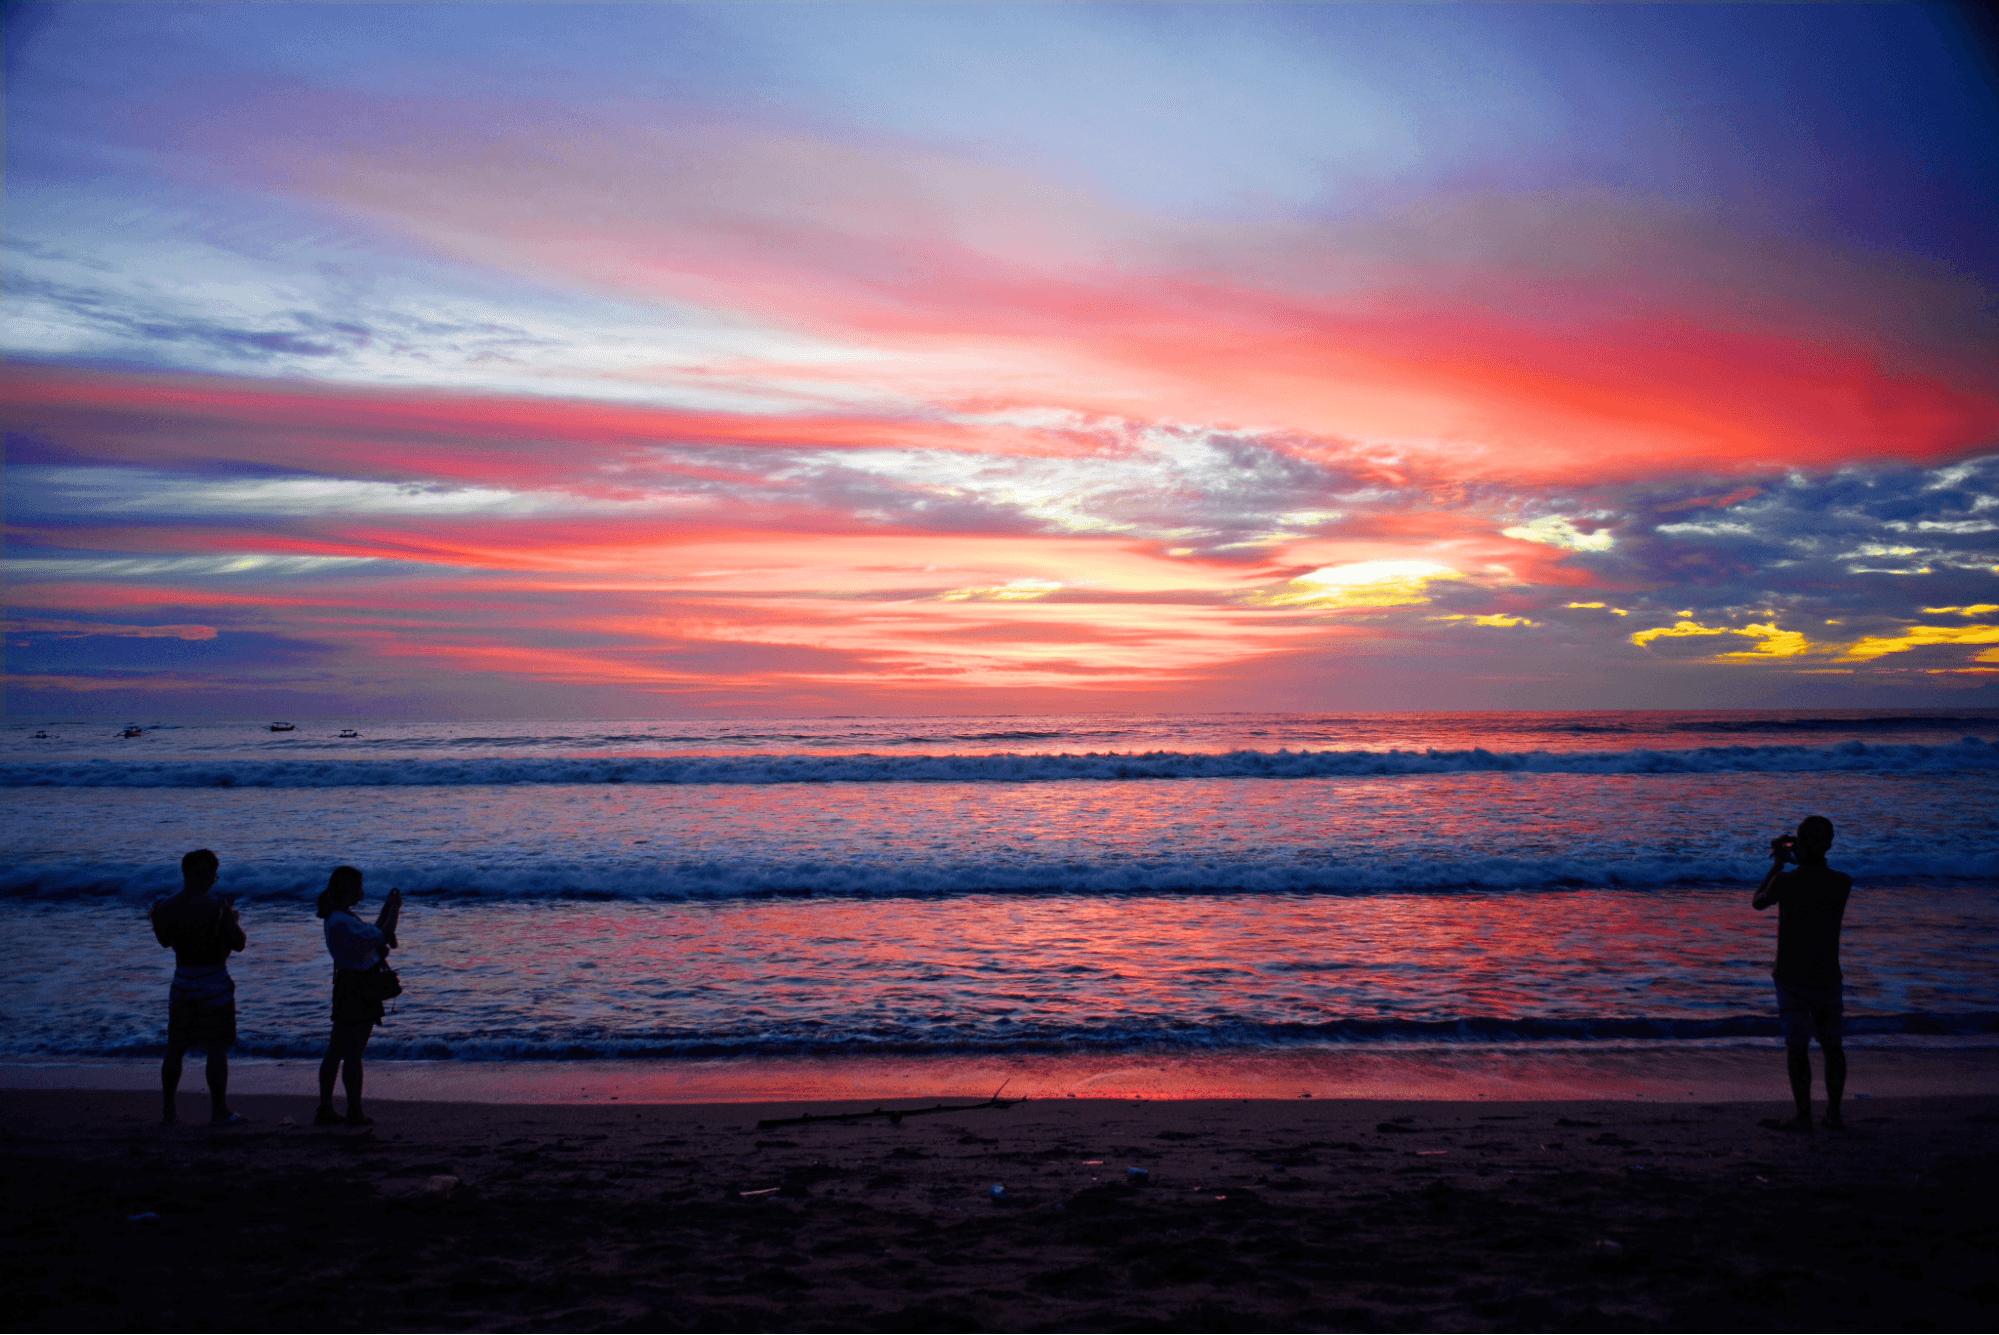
(1811, 902)
(202, 931)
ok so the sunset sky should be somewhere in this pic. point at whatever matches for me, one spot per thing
(650, 360)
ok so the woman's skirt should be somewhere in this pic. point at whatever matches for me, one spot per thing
(351, 1002)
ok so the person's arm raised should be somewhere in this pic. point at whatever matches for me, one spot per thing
(391, 914)
(1766, 893)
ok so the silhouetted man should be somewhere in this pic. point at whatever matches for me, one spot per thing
(1811, 902)
(202, 931)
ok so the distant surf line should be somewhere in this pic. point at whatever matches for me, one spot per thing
(1967, 754)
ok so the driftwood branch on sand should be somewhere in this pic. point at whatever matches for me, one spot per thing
(894, 1115)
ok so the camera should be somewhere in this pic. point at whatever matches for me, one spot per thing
(1784, 848)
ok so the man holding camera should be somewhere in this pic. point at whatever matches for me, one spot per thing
(202, 930)
(1811, 903)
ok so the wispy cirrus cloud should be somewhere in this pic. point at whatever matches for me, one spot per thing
(76, 629)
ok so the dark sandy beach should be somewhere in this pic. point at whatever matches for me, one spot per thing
(1251, 1215)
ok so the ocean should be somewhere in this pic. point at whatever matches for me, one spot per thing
(1250, 883)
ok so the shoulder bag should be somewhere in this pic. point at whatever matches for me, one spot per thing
(380, 983)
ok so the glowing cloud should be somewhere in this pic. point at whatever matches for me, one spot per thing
(1772, 642)
(1918, 637)
(1359, 585)
(1556, 531)
(1489, 619)
(1013, 591)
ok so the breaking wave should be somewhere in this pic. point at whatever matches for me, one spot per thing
(1148, 1034)
(624, 877)
(1889, 723)
(1969, 753)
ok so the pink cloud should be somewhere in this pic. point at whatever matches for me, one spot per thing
(1526, 339)
(166, 419)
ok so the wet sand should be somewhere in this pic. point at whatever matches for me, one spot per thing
(1467, 1072)
(1262, 1214)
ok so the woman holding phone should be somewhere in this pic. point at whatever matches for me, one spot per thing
(358, 949)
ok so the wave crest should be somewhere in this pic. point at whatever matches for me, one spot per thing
(628, 878)
(1969, 753)
(1147, 1034)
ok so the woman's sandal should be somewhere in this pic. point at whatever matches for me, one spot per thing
(355, 1119)
(327, 1117)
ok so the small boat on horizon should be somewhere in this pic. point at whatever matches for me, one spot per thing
(284, 727)
(349, 732)
(134, 730)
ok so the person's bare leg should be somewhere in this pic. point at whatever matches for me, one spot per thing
(1798, 1057)
(170, 1083)
(350, 1076)
(1835, 1081)
(218, 1085)
(329, 1071)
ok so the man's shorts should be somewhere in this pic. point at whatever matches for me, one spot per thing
(1806, 1011)
(193, 1025)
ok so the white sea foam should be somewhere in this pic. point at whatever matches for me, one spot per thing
(1967, 754)
(626, 877)
(1153, 1034)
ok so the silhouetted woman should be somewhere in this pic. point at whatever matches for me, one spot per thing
(356, 948)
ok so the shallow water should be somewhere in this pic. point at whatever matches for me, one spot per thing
(1048, 974)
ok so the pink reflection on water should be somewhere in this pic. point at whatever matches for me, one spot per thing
(1049, 970)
